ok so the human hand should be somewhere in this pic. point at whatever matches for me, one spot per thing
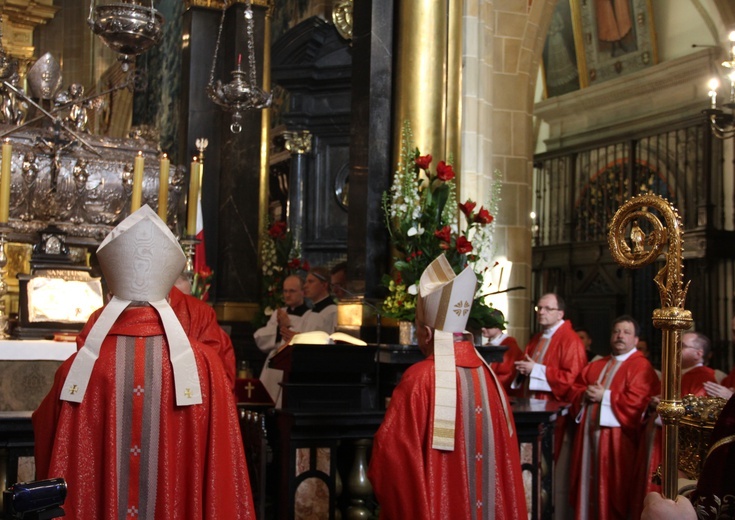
(656, 507)
(283, 319)
(653, 403)
(287, 334)
(715, 390)
(594, 393)
(525, 366)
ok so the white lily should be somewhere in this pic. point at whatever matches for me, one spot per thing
(413, 290)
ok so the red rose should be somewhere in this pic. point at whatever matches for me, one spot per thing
(463, 245)
(305, 265)
(444, 171)
(444, 234)
(467, 207)
(483, 216)
(423, 162)
(444, 245)
(205, 272)
(277, 230)
(295, 263)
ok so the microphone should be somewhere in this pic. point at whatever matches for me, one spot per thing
(363, 301)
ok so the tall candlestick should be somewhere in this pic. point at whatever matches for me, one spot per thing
(191, 203)
(7, 152)
(163, 188)
(137, 183)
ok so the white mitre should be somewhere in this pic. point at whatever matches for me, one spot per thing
(444, 303)
(140, 260)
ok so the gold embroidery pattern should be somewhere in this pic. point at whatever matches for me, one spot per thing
(462, 308)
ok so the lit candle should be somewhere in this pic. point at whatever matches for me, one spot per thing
(7, 152)
(137, 183)
(191, 203)
(163, 188)
(713, 84)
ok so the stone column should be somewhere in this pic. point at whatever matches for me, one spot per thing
(299, 144)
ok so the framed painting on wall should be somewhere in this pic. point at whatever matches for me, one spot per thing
(559, 63)
(618, 37)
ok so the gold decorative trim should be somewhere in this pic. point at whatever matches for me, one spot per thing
(235, 311)
(342, 18)
(219, 4)
(298, 142)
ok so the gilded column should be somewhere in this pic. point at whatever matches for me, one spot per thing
(421, 74)
(265, 125)
(453, 129)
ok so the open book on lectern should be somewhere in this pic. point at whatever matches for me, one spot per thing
(319, 337)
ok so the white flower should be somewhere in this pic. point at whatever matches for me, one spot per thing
(413, 290)
(268, 311)
(416, 230)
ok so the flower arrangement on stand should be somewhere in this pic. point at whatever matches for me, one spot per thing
(280, 258)
(201, 283)
(423, 219)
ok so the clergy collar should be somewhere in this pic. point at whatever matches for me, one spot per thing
(298, 311)
(322, 304)
(497, 340)
(685, 370)
(551, 330)
(623, 357)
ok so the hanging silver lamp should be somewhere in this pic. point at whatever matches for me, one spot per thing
(242, 92)
(127, 27)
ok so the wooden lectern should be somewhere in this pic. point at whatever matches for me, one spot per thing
(329, 414)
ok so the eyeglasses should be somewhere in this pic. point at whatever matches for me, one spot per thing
(690, 346)
(290, 291)
(544, 308)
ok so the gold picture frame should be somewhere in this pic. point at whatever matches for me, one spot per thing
(617, 37)
(581, 49)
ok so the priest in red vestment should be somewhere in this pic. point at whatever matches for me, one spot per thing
(608, 400)
(553, 359)
(447, 447)
(141, 421)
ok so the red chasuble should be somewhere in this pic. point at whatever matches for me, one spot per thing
(506, 370)
(481, 478)
(604, 457)
(127, 451)
(199, 322)
(564, 359)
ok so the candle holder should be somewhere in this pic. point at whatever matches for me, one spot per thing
(189, 244)
(4, 231)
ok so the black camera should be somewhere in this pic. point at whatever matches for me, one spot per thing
(38, 500)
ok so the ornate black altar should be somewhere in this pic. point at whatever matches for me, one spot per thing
(334, 402)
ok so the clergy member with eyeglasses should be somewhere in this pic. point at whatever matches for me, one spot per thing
(553, 359)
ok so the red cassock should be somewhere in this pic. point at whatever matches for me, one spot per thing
(128, 447)
(564, 359)
(729, 380)
(481, 478)
(604, 457)
(650, 449)
(199, 321)
(505, 370)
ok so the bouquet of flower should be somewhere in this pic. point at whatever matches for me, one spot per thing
(422, 218)
(280, 258)
(201, 283)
